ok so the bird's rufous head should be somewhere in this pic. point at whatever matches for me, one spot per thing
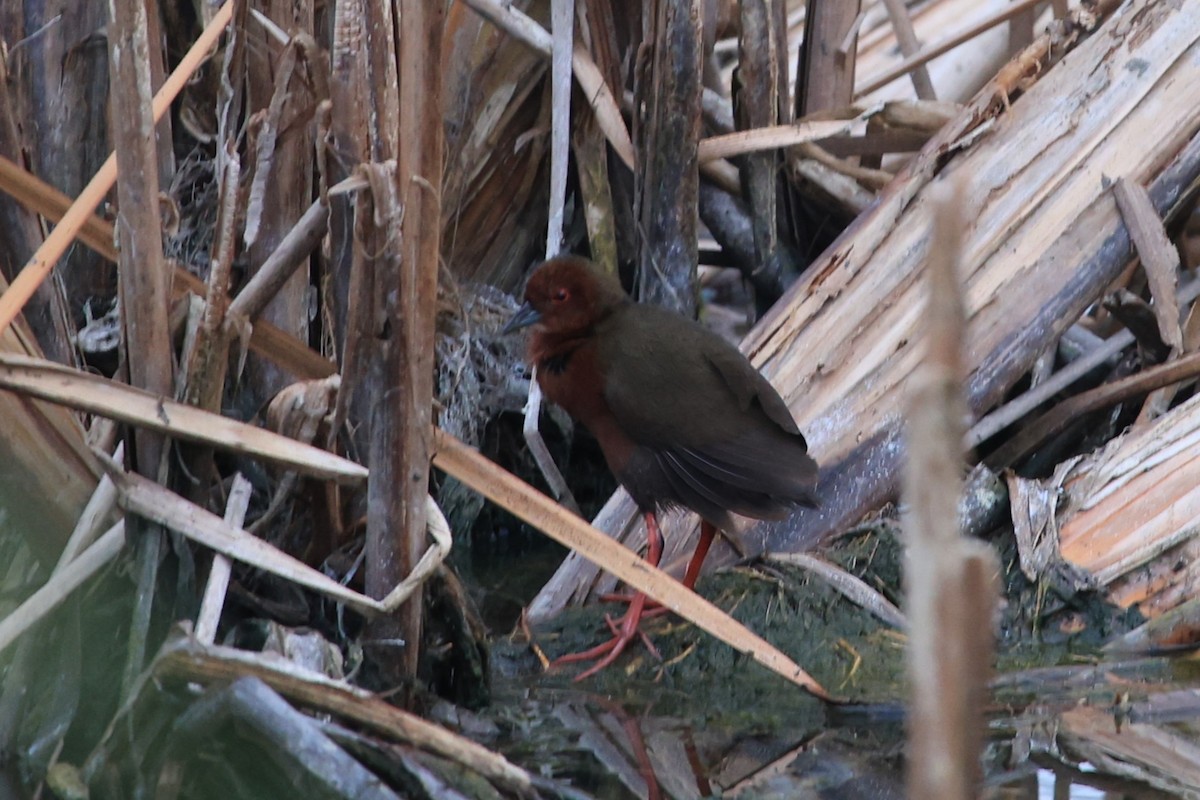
(567, 294)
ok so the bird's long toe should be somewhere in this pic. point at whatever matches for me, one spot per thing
(623, 634)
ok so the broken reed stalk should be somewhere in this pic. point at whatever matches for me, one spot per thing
(666, 183)
(763, 102)
(518, 497)
(1160, 262)
(563, 16)
(222, 566)
(206, 361)
(94, 394)
(599, 95)
(275, 271)
(1160, 259)
(825, 71)
(930, 52)
(80, 212)
(186, 661)
(950, 580)
(400, 469)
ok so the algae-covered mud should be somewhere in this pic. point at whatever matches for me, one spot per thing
(697, 719)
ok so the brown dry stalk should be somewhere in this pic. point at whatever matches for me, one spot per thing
(950, 580)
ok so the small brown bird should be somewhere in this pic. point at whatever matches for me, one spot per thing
(683, 419)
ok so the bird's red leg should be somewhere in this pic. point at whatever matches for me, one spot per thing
(629, 623)
(708, 532)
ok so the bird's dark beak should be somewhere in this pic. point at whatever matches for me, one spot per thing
(526, 315)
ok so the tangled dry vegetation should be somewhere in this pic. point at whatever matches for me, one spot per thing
(234, 352)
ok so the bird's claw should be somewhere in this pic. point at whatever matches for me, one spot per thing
(608, 652)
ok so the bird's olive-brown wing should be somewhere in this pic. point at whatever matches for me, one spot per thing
(720, 435)
(669, 380)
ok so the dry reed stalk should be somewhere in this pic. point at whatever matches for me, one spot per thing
(563, 16)
(771, 137)
(400, 463)
(909, 46)
(94, 394)
(516, 496)
(186, 661)
(667, 183)
(218, 574)
(144, 280)
(763, 102)
(1160, 262)
(287, 79)
(950, 580)
(825, 72)
(148, 500)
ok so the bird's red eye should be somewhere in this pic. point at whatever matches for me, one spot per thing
(560, 295)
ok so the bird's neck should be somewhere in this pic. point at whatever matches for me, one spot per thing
(551, 351)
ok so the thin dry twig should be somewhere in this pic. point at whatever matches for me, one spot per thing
(1009, 413)
(850, 586)
(1185, 368)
